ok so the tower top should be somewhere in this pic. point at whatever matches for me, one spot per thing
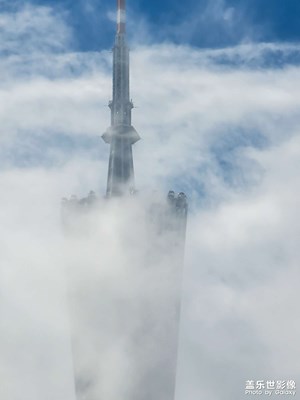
(121, 135)
(121, 16)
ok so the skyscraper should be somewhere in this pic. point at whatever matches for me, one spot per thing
(148, 320)
(121, 135)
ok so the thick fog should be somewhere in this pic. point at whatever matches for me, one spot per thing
(221, 125)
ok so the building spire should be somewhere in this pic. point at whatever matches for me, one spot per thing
(121, 17)
(121, 135)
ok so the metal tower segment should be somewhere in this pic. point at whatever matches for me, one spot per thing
(121, 17)
(121, 135)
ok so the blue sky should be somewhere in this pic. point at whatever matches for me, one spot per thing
(67, 37)
(215, 85)
(219, 23)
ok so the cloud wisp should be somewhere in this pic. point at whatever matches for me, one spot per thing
(221, 124)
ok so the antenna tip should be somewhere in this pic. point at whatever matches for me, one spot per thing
(121, 16)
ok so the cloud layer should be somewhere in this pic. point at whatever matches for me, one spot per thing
(223, 125)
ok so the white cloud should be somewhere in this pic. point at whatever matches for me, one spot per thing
(228, 128)
(30, 29)
(240, 300)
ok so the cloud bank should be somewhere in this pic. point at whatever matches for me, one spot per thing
(222, 125)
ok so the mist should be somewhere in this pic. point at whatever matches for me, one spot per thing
(221, 125)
